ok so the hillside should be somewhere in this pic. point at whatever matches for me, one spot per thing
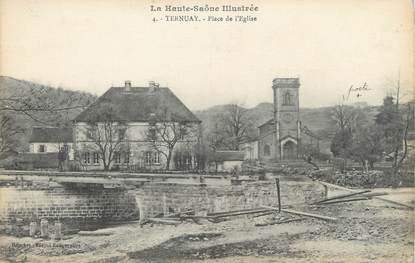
(318, 120)
(20, 94)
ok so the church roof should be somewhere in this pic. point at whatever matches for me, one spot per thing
(268, 122)
(306, 130)
(291, 82)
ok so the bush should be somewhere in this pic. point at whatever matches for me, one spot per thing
(360, 179)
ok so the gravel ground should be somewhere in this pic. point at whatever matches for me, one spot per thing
(367, 231)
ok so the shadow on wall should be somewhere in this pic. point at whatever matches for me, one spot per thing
(163, 198)
(79, 208)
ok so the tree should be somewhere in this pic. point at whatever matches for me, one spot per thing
(164, 133)
(185, 153)
(9, 132)
(409, 124)
(201, 155)
(41, 103)
(367, 145)
(347, 120)
(24, 104)
(107, 133)
(234, 126)
(340, 143)
(395, 123)
(215, 140)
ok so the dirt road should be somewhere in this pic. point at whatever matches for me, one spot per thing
(367, 231)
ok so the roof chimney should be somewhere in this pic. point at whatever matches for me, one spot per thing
(127, 85)
(152, 85)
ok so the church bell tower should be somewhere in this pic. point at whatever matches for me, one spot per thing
(287, 125)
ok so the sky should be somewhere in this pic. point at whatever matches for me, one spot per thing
(91, 45)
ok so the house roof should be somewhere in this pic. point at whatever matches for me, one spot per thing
(51, 134)
(307, 131)
(268, 122)
(138, 104)
(229, 155)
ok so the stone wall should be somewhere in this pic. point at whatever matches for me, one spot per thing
(102, 205)
(300, 192)
(162, 198)
(66, 204)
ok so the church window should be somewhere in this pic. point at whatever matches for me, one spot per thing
(267, 150)
(288, 98)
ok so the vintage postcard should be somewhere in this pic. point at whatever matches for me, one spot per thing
(207, 131)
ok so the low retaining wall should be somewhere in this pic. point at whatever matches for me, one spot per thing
(163, 198)
(152, 198)
(66, 204)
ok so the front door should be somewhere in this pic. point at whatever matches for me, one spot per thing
(289, 151)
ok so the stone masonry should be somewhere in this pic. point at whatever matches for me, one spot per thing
(64, 204)
(162, 198)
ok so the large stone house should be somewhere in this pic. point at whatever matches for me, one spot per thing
(136, 128)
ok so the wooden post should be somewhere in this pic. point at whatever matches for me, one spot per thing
(277, 183)
(32, 228)
(326, 191)
(58, 230)
(375, 197)
(142, 210)
(165, 208)
(44, 228)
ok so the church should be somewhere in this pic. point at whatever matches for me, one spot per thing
(279, 138)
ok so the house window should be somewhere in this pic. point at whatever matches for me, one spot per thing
(156, 157)
(65, 148)
(148, 158)
(126, 157)
(121, 134)
(195, 163)
(152, 133)
(183, 132)
(42, 148)
(188, 161)
(267, 150)
(117, 157)
(96, 158)
(87, 159)
(288, 99)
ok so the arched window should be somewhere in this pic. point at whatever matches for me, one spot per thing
(267, 150)
(288, 98)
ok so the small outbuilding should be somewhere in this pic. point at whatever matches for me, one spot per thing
(47, 140)
(227, 161)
